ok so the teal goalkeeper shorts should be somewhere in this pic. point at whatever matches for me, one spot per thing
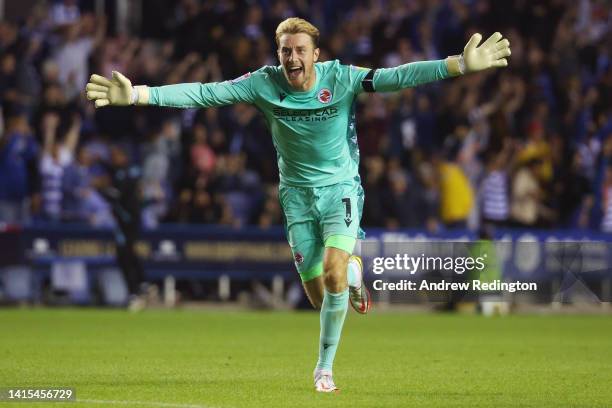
(319, 217)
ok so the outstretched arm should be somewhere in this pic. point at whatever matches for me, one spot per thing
(50, 124)
(74, 132)
(492, 53)
(118, 91)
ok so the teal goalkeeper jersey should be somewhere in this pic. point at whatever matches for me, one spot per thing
(314, 131)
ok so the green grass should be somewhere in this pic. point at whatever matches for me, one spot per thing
(244, 359)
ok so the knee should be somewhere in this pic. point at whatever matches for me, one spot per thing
(334, 274)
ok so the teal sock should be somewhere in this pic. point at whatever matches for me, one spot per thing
(333, 313)
(352, 274)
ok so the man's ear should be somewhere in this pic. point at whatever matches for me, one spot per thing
(316, 54)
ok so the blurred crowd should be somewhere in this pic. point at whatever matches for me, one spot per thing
(529, 145)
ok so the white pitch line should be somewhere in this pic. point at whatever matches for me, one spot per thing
(146, 403)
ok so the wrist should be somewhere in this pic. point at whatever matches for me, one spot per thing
(140, 95)
(455, 65)
(134, 97)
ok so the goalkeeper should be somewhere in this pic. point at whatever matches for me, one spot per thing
(309, 108)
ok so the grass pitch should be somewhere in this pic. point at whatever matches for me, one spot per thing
(188, 359)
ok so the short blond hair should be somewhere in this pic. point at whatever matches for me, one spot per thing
(295, 25)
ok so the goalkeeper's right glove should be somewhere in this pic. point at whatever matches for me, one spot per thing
(117, 91)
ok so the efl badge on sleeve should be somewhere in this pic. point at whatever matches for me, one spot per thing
(240, 78)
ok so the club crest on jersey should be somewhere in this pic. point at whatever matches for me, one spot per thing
(240, 78)
(324, 95)
(299, 258)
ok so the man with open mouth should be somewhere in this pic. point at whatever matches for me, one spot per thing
(309, 109)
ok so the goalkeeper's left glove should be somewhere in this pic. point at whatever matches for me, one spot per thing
(491, 54)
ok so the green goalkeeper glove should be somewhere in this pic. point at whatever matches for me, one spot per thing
(117, 91)
(491, 54)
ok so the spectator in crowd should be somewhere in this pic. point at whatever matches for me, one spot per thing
(398, 198)
(494, 192)
(64, 12)
(575, 195)
(202, 156)
(78, 42)
(456, 192)
(121, 188)
(71, 55)
(271, 213)
(82, 202)
(537, 147)
(374, 212)
(18, 149)
(56, 157)
(209, 209)
(160, 164)
(528, 196)
(8, 78)
(240, 188)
